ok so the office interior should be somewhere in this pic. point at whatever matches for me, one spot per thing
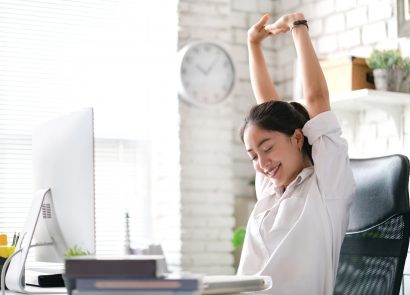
(168, 171)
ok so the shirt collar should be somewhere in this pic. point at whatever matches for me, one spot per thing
(305, 173)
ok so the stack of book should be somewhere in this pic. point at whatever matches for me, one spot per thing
(129, 275)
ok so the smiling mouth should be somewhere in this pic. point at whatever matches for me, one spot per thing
(272, 172)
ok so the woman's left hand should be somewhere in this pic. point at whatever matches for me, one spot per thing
(283, 24)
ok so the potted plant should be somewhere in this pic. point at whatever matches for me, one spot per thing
(71, 252)
(387, 68)
(405, 85)
(238, 237)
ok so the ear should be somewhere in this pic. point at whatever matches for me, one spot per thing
(298, 138)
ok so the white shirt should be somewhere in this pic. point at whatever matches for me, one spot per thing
(295, 236)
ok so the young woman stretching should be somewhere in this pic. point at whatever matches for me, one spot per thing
(304, 183)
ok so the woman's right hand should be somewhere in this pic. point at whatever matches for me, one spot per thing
(257, 32)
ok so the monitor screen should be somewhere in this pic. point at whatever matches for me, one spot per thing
(63, 161)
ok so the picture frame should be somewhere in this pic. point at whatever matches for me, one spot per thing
(403, 18)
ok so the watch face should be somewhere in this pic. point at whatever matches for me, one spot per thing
(207, 74)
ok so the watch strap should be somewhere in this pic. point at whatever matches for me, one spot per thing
(300, 22)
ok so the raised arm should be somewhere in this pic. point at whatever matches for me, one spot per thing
(262, 84)
(315, 92)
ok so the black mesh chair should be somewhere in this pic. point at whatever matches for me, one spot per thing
(375, 247)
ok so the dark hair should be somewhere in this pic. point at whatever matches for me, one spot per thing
(279, 116)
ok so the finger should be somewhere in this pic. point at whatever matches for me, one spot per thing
(261, 23)
(270, 27)
(276, 31)
(274, 28)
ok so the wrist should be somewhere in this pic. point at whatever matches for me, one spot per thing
(254, 43)
(294, 17)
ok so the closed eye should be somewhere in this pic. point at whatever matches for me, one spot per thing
(253, 156)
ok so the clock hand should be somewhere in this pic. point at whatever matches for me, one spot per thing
(212, 65)
(201, 70)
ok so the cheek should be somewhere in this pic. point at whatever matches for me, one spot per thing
(256, 166)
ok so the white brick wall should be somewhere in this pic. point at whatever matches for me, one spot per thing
(374, 33)
(356, 17)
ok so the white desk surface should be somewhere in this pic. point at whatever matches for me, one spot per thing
(14, 293)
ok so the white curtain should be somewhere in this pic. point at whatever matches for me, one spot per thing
(60, 55)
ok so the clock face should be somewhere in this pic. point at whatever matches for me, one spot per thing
(207, 73)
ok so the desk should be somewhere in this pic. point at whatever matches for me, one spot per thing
(227, 286)
(258, 293)
(36, 290)
(63, 289)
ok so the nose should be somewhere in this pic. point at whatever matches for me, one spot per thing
(264, 163)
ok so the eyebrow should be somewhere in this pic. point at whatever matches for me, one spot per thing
(262, 142)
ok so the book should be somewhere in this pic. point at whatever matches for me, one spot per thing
(129, 266)
(109, 284)
(80, 292)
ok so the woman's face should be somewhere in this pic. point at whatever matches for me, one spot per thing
(275, 154)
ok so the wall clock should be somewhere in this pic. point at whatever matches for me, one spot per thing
(206, 73)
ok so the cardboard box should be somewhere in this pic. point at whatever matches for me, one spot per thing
(347, 74)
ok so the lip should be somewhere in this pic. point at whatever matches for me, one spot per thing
(272, 173)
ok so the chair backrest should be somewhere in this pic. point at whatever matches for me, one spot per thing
(376, 243)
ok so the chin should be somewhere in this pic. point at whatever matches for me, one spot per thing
(277, 182)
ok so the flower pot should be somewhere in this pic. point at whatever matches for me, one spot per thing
(405, 85)
(388, 79)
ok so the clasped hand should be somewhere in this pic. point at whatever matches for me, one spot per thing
(261, 29)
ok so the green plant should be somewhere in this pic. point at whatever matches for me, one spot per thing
(238, 237)
(76, 251)
(406, 66)
(385, 59)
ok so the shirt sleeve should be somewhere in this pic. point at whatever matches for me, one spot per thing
(330, 156)
(262, 184)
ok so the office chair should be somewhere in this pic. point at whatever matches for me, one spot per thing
(375, 246)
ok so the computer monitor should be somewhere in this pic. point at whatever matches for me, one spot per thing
(63, 210)
(63, 160)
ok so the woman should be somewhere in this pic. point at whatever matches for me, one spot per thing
(304, 184)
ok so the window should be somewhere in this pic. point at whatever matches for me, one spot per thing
(60, 55)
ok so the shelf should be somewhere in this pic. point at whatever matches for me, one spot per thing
(364, 99)
(356, 101)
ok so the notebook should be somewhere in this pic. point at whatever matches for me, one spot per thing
(235, 284)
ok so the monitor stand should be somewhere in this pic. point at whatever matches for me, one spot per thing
(15, 276)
